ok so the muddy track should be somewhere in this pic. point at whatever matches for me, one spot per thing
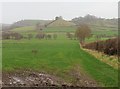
(30, 79)
(38, 79)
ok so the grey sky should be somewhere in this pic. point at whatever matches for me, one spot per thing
(14, 11)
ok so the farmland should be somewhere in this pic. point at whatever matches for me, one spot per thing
(56, 57)
(96, 30)
(59, 45)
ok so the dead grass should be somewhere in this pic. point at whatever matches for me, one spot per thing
(110, 60)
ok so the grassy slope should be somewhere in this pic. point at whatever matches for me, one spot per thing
(60, 29)
(95, 30)
(24, 29)
(61, 23)
(57, 57)
(104, 30)
(31, 30)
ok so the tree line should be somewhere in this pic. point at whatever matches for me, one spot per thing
(18, 36)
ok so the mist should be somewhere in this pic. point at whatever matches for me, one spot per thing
(15, 11)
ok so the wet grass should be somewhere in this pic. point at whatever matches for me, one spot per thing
(57, 57)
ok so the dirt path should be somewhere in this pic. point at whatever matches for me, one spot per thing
(35, 79)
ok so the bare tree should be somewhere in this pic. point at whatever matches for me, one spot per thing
(11, 35)
(49, 36)
(69, 35)
(5, 35)
(82, 32)
(17, 36)
(40, 35)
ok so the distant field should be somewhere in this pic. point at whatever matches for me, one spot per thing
(24, 29)
(60, 29)
(95, 30)
(31, 30)
(56, 57)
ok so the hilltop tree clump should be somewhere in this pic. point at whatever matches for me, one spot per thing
(82, 32)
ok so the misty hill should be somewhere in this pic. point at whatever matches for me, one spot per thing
(4, 26)
(88, 19)
(93, 20)
(60, 22)
(24, 23)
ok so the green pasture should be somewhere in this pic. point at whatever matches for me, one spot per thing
(109, 31)
(57, 57)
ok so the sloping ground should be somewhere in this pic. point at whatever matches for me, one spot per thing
(93, 20)
(31, 29)
(23, 23)
(60, 29)
(24, 29)
(60, 23)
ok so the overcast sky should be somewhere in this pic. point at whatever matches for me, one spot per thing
(15, 11)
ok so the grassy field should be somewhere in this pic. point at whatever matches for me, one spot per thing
(95, 30)
(108, 31)
(56, 57)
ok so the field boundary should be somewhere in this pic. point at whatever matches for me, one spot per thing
(110, 60)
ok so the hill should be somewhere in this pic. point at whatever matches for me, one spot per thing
(23, 23)
(60, 22)
(93, 20)
(25, 30)
(4, 26)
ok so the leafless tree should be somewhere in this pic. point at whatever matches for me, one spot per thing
(11, 35)
(82, 32)
(18, 36)
(69, 35)
(40, 36)
(49, 36)
(5, 35)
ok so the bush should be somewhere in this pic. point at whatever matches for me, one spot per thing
(109, 46)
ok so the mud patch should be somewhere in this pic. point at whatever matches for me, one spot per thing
(41, 79)
(30, 79)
